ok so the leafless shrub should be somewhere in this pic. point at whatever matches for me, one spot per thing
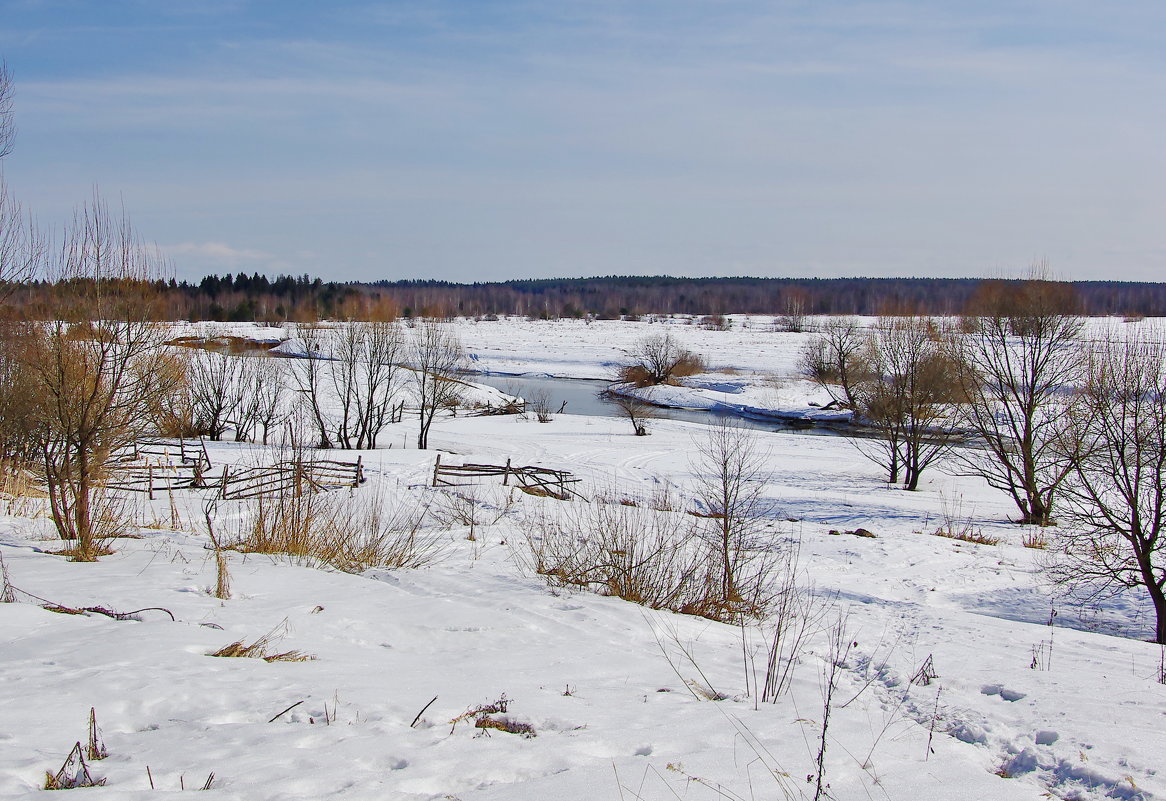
(797, 614)
(539, 403)
(635, 411)
(464, 507)
(89, 372)
(659, 359)
(731, 474)
(834, 360)
(715, 322)
(650, 558)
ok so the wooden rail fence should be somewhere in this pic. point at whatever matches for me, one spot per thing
(149, 466)
(296, 477)
(534, 480)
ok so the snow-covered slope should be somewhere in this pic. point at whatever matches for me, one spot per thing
(617, 695)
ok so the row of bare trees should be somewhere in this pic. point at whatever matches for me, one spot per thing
(1068, 429)
(350, 381)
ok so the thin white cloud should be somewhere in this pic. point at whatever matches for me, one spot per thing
(220, 251)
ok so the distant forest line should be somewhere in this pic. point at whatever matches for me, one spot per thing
(256, 297)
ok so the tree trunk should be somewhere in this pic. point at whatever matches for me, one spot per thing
(85, 549)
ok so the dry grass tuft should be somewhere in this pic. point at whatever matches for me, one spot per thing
(507, 724)
(349, 530)
(1035, 538)
(958, 526)
(493, 717)
(977, 536)
(261, 648)
(72, 774)
(19, 490)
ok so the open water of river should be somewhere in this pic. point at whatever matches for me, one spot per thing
(584, 397)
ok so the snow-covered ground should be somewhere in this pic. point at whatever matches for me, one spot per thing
(617, 695)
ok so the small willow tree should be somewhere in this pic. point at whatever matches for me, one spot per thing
(436, 355)
(1115, 494)
(91, 365)
(1018, 359)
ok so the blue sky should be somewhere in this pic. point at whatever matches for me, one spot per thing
(487, 140)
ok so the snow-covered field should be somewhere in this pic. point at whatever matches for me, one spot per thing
(617, 695)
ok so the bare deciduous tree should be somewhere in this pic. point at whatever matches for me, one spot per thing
(1115, 495)
(90, 369)
(437, 358)
(731, 474)
(794, 306)
(1018, 359)
(909, 396)
(258, 396)
(834, 360)
(215, 381)
(385, 350)
(364, 371)
(7, 126)
(308, 374)
(269, 391)
(636, 411)
(657, 359)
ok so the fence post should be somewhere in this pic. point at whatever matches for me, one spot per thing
(436, 468)
(506, 474)
(356, 479)
(223, 489)
(150, 481)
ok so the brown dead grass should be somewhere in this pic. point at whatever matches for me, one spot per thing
(262, 648)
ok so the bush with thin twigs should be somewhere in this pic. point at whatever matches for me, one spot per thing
(635, 410)
(539, 403)
(797, 614)
(464, 507)
(659, 359)
(656, 559)
(349, 530)
(631, 552)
